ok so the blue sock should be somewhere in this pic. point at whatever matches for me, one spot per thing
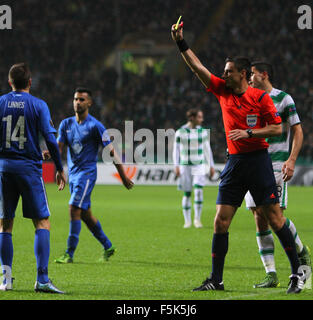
(42, 253)
(288, 242)
(219, 250)
(6, 250)
(99, 234)
(73, 238)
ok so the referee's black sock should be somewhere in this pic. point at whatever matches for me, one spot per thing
(219, 250)
(288, 242)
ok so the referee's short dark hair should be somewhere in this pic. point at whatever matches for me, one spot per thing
(241, 63)
(191, 113)
(84, 90)
(19, 75)
(263, 66)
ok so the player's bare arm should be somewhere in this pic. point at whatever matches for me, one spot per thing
(61, 146)
(270, 130)
(289, 166)
(119, 167)
(177, 172)
(46, 154)
(212, 172)
(190, 58)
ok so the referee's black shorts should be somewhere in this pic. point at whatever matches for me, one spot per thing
(251, 171)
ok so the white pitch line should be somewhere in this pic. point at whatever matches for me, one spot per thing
(250, 295)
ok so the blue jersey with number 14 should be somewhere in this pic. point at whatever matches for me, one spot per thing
(22, 118)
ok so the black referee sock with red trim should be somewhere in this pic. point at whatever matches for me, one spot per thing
(288, 242)
(219, 250)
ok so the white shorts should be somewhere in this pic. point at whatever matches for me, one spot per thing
(190, 176)
(281, 190)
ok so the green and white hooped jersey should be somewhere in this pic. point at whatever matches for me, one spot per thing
(192, 146)
(279, 146)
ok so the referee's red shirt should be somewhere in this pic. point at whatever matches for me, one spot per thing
(251, 110)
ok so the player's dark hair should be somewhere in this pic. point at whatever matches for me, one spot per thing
(19, 75)
(241, 63)
(84, 90)
(191, 113)
(263, 66)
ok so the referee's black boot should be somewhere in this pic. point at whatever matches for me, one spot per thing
(209, 284)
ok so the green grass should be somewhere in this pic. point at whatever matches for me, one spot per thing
(156, 258)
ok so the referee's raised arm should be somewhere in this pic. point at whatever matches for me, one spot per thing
(190, 58)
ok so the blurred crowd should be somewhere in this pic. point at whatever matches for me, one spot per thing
(65, 42)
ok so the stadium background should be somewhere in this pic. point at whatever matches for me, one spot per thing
(122, 50)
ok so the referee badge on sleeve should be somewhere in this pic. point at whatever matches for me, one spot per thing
(252, 120)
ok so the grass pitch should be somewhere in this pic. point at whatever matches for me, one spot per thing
(156, 258)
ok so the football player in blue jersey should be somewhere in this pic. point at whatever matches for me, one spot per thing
(83, 134)
(22, 118)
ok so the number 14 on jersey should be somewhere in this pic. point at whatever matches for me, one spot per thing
(19, 128)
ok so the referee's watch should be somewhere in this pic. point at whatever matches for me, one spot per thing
(249, 131)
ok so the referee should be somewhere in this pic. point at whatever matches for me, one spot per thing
(249, 117)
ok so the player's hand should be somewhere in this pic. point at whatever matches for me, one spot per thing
(46, 155)
(238, 134)
(128, 183)
(177, 34)
(60, 179)
(288, 170)
(177, 172)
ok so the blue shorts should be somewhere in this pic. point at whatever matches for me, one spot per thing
(81, 186)
(32, 190)
(252, 171)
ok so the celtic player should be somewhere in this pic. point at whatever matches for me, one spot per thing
(191, 153)
(283, 165)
